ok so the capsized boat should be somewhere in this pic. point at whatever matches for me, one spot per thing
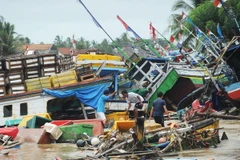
(170, 78)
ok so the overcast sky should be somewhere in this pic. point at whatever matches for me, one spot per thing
(42, 20)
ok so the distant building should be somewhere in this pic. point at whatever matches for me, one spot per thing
(63, 52)
(89, 51)
(69, 51)
(38, 49)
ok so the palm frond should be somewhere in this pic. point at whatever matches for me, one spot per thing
(181, 5)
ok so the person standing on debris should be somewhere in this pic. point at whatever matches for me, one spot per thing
(158, 108)
(133, 98)
(101, 105)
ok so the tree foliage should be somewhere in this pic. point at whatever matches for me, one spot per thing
(206, 17)
(9, 39)
(104, 46)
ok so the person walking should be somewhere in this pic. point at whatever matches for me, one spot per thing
(158, 109)
(131, 97)
(101, 105)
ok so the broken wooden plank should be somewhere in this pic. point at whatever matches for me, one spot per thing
(219, 116)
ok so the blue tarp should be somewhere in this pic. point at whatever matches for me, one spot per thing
(88, 95)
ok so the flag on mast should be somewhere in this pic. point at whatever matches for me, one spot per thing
(74, 43)
(152, 31)
(93, 18)
(128, 28)
(217, 3)
(26, 49)
(219, 31)
(183, 15)
(209, 32)
(172, 39)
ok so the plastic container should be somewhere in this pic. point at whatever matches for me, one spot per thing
(118, 116)
(74, 132)
(53, 130)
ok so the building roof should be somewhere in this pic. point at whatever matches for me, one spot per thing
(68, 51)
(83, 51)
(39, 46)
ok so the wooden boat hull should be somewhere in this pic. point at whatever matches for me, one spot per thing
(235, 93)
(38, 103)
(33, 135)
(10, 131)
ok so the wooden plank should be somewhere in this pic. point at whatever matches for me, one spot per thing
(16, 89)
(14, 78)
(32, 73)
(3, 91)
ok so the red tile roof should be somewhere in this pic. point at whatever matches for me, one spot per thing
(68, 51)
(38, 46)
(82, 51)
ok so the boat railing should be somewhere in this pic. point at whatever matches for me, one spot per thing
(117, 63)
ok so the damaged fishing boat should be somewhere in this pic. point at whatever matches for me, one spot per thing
(26, 77)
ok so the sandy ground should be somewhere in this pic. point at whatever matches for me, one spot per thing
(226, 150)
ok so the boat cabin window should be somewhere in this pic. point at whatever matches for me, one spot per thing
(23, 109)
(7, 111)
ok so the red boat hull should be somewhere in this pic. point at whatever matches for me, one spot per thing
(11, 131)
(235, 94)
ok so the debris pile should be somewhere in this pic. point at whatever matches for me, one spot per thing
(161, 142)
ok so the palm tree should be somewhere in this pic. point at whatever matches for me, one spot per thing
(68, 42)
(94, 44)
(58, 41)
(182, 6)
(105, 46)
(9, 39)
(87, 44)
(24, 40)
(81, 43)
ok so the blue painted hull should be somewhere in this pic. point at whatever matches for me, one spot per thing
(128, 84)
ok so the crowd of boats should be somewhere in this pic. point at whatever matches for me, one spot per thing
(195, 87)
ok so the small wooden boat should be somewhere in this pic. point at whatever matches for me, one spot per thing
(112, 63)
